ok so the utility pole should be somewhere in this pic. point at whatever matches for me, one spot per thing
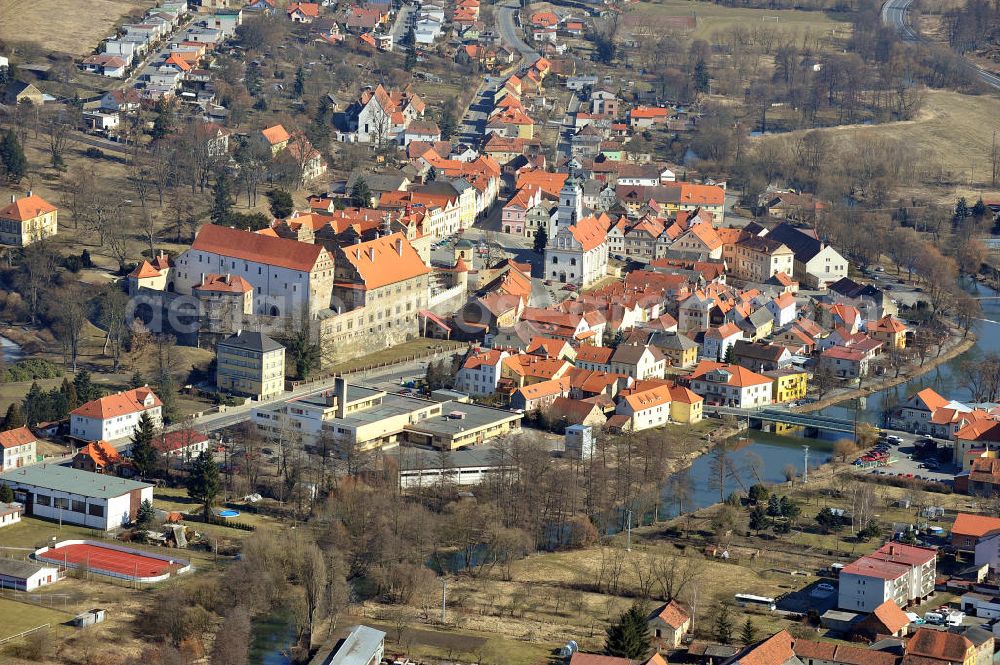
(805, 464)
(444, 598)
(628, 531)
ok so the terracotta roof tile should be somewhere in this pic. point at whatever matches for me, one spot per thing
(25, 208)
(16, 437)
(258, 247)
(119, 404)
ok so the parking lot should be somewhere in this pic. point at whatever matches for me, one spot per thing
(907, 465)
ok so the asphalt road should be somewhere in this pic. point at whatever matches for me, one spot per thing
(894, 15)
(511, 34)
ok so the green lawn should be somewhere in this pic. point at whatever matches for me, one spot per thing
(19, 617)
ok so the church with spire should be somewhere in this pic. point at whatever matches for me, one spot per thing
(577, 251)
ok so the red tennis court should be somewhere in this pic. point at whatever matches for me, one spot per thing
(97, 558)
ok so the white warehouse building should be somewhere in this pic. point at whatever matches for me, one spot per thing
(62, 493)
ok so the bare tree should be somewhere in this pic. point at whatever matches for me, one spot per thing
(58, 128)
(70, 319)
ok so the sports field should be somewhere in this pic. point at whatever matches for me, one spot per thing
(102, 559)
(19, 617)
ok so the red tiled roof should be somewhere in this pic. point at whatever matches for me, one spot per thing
(102, 453)
(224, 284)
(386, 260)
(176, 440)
(938, 644)
(118, 404)
(974, 525)
(891, 616)
(16, 437)
(258, 248)
(276, 134)
(25, 208)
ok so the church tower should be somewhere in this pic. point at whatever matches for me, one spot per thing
(570, 204)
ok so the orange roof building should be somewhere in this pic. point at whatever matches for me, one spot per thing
(115, 416)
(17, 448)
(276, 138)
(97, 457)
(26, 220)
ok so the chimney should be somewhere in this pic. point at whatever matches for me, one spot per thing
(203, 279)
(399, 246)
(371, 254)
(228, 277)
(13, 197)
(29, 193)
(340, 390)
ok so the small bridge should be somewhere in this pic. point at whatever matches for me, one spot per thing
(789, 418)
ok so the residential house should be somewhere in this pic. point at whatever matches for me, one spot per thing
(759, 258)
(105, 64)
(643, 407)
(27, 220)
(539, 396)
(902, 573)
(774, 650)
(250, 363)
(783, 309)
(730, 385)
(889, 330)
(185, 444)
(97, 457)
(816, 264)
(680, 350)
(668, 624)
(927, 646)
(761, 357)
(302, 12)
(789, 385)
(719, 339)
(18, 447)
(115, 416)
(638, 361)
(480, 372)
(844, 362)
(567, 412)
(885, 620)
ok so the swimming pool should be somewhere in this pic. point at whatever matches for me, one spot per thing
(228, 512)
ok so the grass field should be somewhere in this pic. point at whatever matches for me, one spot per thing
(57, 25)
(712, 18)
(19, 617)
(396, 353)
(950, 139)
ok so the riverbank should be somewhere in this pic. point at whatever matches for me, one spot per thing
(885, 383)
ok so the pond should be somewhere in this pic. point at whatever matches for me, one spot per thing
(11, 350)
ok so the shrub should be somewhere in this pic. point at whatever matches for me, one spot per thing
(94, 153)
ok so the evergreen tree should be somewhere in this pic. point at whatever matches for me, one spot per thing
(629, 636)
(86, 390)
(789, 509)
(748, 635)
(723, 624)
(68, 390)
(306, 354)
(410, 38)
(14, 417)
(299, 87)
(448, 120)
(829, 521)
(281, 203)
(163, 124)
(252, 79)
(361, 195)
(146, 514)
(979, 210)
(203, 483)
(774, 506)
(541, 239)
(6, 493)
(961, 213)
(166, 389)
(144, 455)
(34, 406)
(318, 131)
(15, 164)
(222, 200)
(701, 78)
(758, 519)
(137, 381)
(410, 61)
(758, 493)
(909, 536)
(730, 354)
(432, 174)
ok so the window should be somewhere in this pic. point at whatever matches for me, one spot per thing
(61, 503)
(95, 510)
(78, 506)
(43, 499)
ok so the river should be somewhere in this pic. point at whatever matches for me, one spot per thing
(946, 378)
